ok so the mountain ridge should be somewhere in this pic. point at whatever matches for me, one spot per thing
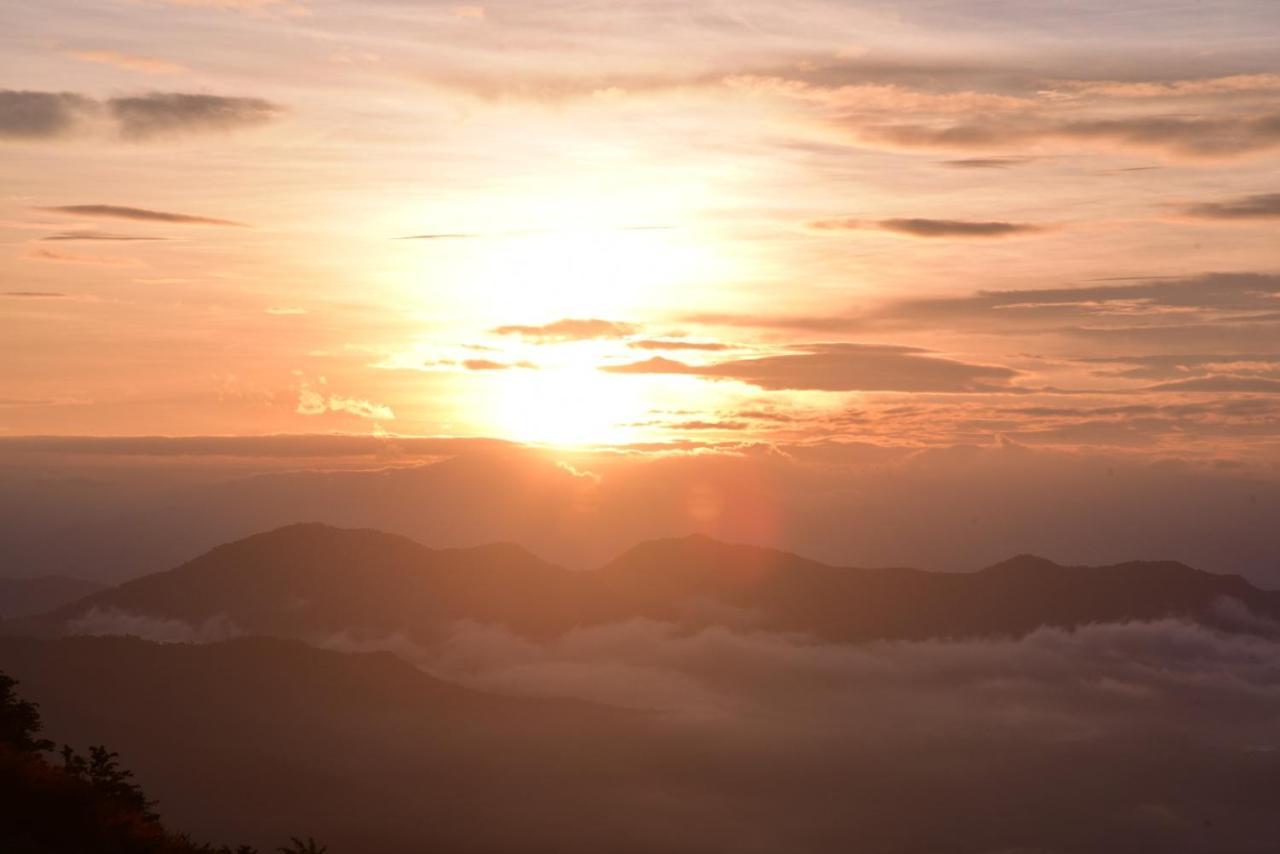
(314, 579)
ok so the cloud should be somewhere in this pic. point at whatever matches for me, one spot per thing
(50, 255)
(41, 115)
(160, 114)
(985, 162)
(1072, 688)
(571, 329)
(1195, 137)
(314, 402)
(916, 227)
(114, 622)
(284, 311)
(1219, 384)
(28, 115)
(129, 62)
(1184, 365)
(490, 365)
(794, 323)
(34, 294)
(656, 344)
(1158, 297)
(842, 367)
(236, 5)
(139, 215)
(96, 235)
(1258, 206)
(444, 235)
(699, 424)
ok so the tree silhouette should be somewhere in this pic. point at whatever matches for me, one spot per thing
(19, 719)
(297, 846)
(115, 784)
(90, 804)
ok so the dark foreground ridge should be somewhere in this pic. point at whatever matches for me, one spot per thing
(80, 804)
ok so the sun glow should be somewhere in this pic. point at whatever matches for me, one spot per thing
(568, 406)
(582, 272)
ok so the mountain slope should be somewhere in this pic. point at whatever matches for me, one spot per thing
(313, 580)
(22, 597)
(309, 578)
(258, 738)
(784, 592)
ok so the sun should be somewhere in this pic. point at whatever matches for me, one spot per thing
(582, 272)
(566, 407)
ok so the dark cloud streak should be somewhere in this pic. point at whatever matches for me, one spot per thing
(26, 115)
(30, 115)
(842, 367)
(1258, 206)
(157, 114)
(140, 215)
(932, 228)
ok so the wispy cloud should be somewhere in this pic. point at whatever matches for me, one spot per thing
(63, 257)
(32, 115)
(237, 5)
(144, 117)
(1200, 136)
(571, 329)
(1257, 206)
(129, 62)
(96, 235)
(445, 235)
(313, 401)
(919, 227)
(140, 215)
(491, 365)
(28, 115)
(678, 344)
(841, 367)
(985, 162)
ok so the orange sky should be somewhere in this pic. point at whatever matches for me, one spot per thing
(911, 224)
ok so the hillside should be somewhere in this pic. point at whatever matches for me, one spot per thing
(23, 597)
(311, 580)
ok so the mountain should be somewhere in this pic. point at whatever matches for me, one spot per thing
(22, 597)
(784, 592)
(257, 739)
(115, 509)
(309, 579)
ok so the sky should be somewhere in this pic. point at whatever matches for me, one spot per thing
(653, 225)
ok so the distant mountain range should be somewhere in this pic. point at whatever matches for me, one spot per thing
(23, 597)
(305, 580)
(1151, 737)
(141, 515)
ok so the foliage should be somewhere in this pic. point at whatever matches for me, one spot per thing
(88, 804)
(19, 720)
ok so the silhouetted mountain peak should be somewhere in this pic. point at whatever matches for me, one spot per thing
(1020, 563)
(697, 565)
(701, 547)
(312, 580)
